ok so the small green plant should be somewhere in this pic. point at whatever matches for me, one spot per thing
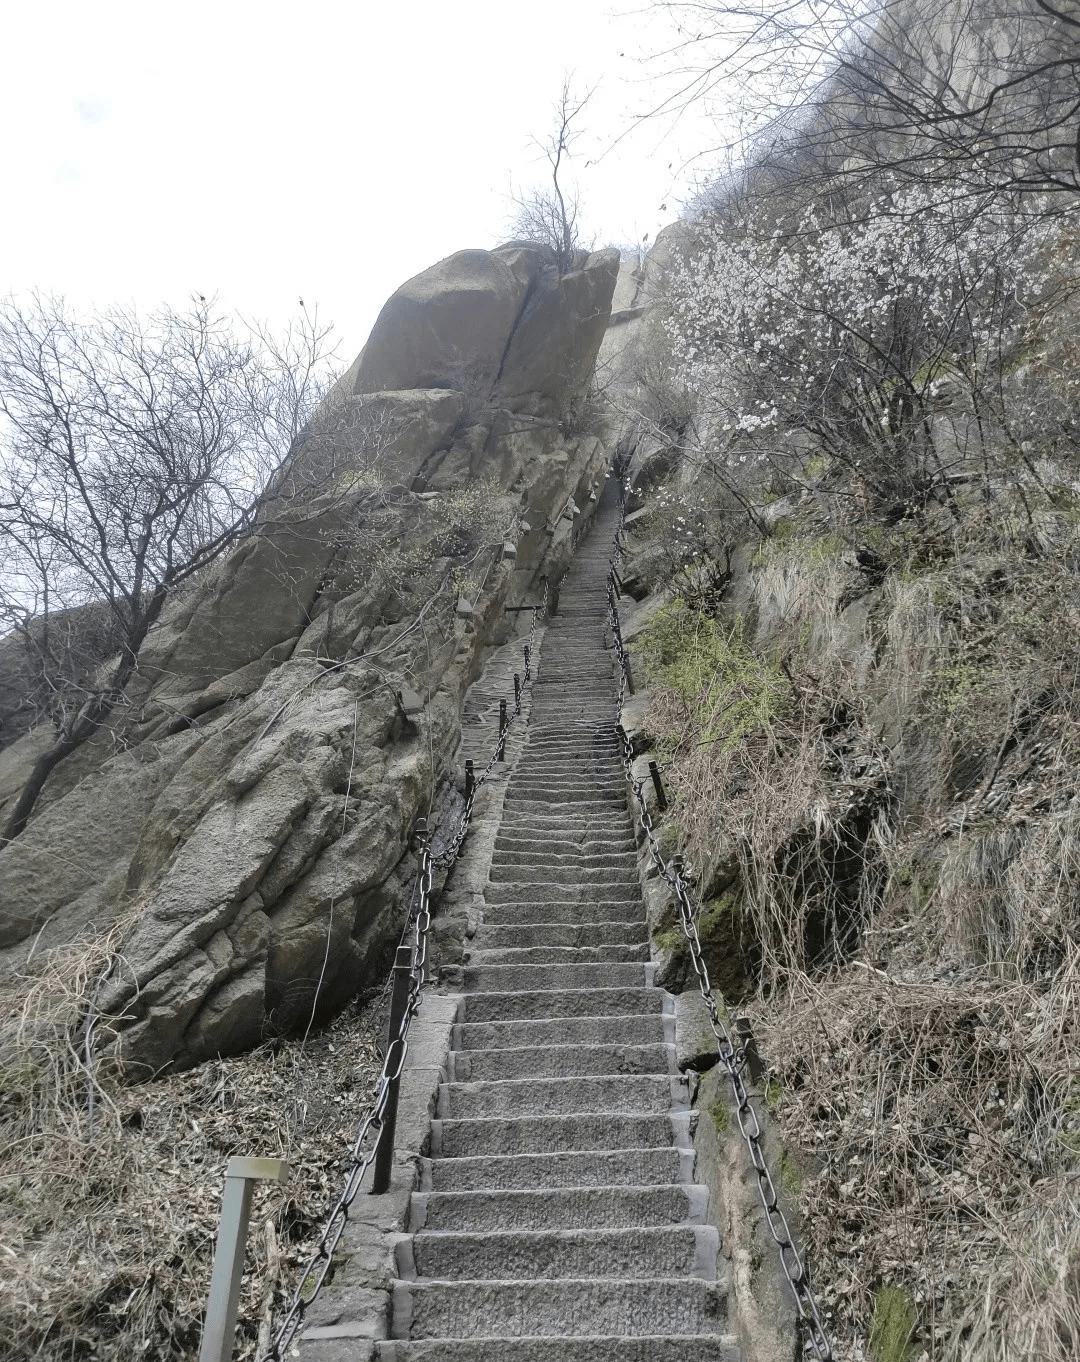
(894, 1323)
(669, 838)
(790, 1177)
(669, 940)
(720, 1117)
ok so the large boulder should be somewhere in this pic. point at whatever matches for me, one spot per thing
(241, 825)
(448, 327)
(554, 346)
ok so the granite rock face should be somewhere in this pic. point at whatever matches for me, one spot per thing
(243, 823)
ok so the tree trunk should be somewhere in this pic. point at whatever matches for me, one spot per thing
(88, 722)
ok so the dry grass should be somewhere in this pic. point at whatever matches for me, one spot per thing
(898, 843)
(939, 1129)
(109, 1195)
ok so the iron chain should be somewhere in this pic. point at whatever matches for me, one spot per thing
(732, 1056)
(315, 1271)
(453, 848)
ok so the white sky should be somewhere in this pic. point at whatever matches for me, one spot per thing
(268, 151)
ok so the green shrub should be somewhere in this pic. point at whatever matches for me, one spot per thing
(728, 691)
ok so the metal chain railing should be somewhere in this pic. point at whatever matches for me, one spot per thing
(473, 782)
(733, 1057)
(315, 1271)
(370, 1144)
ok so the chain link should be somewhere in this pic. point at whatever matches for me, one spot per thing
(732, 1056)
(316, 1270)
(453, 848)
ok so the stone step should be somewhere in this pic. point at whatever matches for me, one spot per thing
(567, 1151)
(651, 1030)
(572, 846)
(549, 935)
(566, 1307)
(605, 1167)
(588, 827)
(619, 953)
(525, 1255)
(522, 891)
(571, 709)
(624, 871)
(568, 863)
(566, 1208)
(584, 1348)
(561, 910)
(598, 745)
(560, 1061)
(504, 978)
(621, 1094)
(562, 803)
(561, 1002)
(562, 788)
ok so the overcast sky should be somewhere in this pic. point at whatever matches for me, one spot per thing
(264, 152)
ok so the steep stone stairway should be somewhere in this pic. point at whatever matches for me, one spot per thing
(557, 1216)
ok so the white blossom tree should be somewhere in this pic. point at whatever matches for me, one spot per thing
(858, 332)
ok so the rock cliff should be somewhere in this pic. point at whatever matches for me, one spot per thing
(242, 818)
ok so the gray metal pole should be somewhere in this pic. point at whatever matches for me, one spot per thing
(220, 1327)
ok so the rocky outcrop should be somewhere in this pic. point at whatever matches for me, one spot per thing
(245, 816)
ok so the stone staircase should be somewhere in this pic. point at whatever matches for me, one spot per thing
(557, 1215)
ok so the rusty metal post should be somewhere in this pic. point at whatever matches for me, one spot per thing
(399, 1003)
(528, 662)
(661, 797)
(470, 780)
(500, 754)
(517, 693)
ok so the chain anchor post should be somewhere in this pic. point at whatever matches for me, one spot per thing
(470, 780)
(399, 1006)
(500, 753)
(745, 1032)
(517, 693)
(661, 797)
(528, 663)
(221, 1308)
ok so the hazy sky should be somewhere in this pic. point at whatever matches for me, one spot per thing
(328, 150)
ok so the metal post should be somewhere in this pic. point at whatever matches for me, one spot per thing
(500, 755)
(470, 780)
(528, 662)
(220, 1326)
(517, 693)
(748, 1044)
(661, 797)
(399, 1002)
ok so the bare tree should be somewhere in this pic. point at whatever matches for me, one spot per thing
(967, 95)
(133, 452)
(549, 215)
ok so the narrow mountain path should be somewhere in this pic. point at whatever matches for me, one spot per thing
(557, 1216)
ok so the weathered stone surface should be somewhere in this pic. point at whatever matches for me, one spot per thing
(248, 811)
(555, 344)
(448, 327)
(695, 1043)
